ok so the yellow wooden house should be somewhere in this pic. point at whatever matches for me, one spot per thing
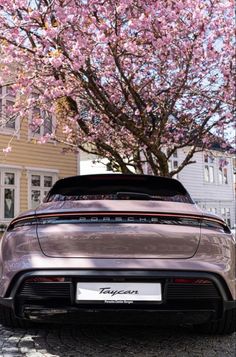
(30, 169)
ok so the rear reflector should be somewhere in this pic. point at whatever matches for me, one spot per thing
(42, 279)
(191, 281)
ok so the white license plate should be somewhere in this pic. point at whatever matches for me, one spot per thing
(118, 292)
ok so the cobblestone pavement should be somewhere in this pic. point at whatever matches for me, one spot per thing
(110, 341)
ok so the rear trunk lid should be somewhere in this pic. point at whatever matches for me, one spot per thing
(119, 229)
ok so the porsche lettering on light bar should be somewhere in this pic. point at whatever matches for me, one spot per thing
(120, 218)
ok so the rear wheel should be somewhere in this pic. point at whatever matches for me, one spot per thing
(8, 319)
(224, 326)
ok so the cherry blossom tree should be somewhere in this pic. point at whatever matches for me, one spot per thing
(130, 81)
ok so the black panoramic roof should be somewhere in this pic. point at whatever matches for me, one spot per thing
(113, 183)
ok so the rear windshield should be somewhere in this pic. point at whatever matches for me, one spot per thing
(118, 187)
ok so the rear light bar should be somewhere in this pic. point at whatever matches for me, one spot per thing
(44, 279)
(121, 217)
(195, 281)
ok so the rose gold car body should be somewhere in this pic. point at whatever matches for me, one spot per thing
(127, 246)
(85, 238)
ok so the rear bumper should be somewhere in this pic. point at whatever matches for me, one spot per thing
(120, 316)
(57, 303)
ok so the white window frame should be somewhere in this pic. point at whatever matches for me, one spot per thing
(222, 169)
(3, 170)
(31, 134)
(39, 172)
(5, 97)
(174, 159)
(212, 210)
(207, 165)
(225, 213)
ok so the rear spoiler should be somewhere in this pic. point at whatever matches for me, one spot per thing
(108, 183)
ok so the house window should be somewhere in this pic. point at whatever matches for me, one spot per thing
(41, 123)
(225, 213)
(8, 121)
(8, 194)
(173, 163)
(223, 171)
(209, 175)
(212, 210)
(39, 185)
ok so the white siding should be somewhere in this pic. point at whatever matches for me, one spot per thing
(192, 176)
(209, 195)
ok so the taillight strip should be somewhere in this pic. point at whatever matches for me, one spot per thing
(34, 219)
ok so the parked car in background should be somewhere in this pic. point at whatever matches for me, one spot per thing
(132, 244)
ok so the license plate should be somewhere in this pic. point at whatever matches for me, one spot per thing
(106, 292)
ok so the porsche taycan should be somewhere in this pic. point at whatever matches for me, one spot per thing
(118, 249)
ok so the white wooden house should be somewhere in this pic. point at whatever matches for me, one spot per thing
(210, 181)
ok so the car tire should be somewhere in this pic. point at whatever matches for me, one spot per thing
(8, 319)
(224, 326)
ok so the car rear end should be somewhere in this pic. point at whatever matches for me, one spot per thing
(139, 252)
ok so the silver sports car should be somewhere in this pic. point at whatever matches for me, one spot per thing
(118, 249)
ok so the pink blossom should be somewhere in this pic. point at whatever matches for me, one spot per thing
(7, 149)
(146, 73)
